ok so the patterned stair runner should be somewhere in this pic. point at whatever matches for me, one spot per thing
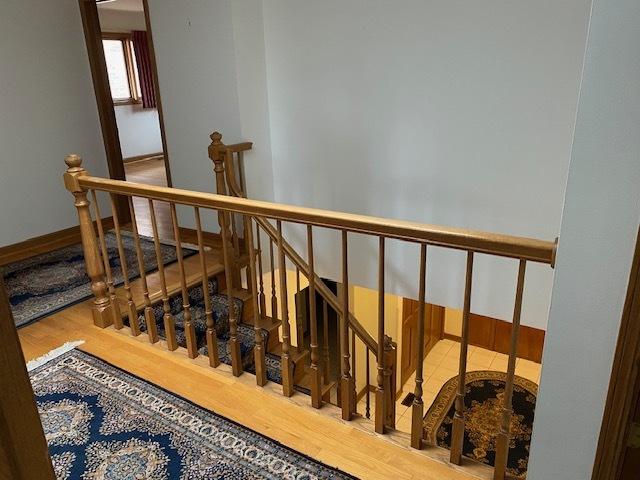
(220, 310)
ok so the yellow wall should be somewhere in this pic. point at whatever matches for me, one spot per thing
(363, 303)
(453, 321)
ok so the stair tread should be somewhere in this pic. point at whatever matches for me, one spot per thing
(267, 323)
(295, 354)
(305, 382)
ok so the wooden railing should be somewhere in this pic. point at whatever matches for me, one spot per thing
(106, 310)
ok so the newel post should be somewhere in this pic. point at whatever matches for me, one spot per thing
(390, 380)
(102, 310)
(217, 154)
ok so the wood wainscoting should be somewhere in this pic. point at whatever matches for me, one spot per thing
(46, 243)
(433, 332)
(495, 335)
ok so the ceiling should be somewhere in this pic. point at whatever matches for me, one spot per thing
(122, 5)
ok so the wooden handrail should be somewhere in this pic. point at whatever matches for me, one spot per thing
(320, 286)
(240, 147)
(299, 262)
(539, 251)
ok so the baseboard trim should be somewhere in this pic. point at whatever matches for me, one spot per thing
(146, 156)
(45, 243)
(363, 391)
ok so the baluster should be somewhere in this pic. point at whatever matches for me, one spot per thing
(102, 315)
(189, 330)
(212, 342)
(380, 394)
(261, 296)
(259, 349)
(169, 321)
(502, 442)
(287, 365)
(115, 305)
(316, 376)
(149, 317)
(274, 297)
(325, 341)
(457, 436)
(417, 411)
(234, 344)
(347, 385)
(354, 370)
(390, 385)
(237, 278)
(132, 313)
(368, 383)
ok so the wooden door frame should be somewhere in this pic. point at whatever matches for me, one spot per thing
(106, 109)
(24, 453)
(624, 385)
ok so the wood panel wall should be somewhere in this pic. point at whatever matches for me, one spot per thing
(433, 332)
(495, 335)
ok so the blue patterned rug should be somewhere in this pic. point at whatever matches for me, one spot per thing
(103, 423)
(47, 283)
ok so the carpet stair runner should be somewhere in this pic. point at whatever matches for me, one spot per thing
(220, 312)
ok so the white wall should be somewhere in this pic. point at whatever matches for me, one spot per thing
(253, 104)
(47, 110)
(449, 112)
(598, 233)
(195, 55)
(138, 129)
(121, 20)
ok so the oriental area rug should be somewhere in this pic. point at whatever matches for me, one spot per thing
(103, 423)
(49, 282)
(484, 392)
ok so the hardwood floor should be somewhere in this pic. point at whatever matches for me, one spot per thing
(150, 172)
(350, 446)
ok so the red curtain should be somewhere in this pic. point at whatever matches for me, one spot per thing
(145, 71)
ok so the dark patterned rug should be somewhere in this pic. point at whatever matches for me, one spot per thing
(47, 283)
(483, 412)
(103, 423)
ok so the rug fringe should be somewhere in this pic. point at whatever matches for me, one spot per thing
(55, 353)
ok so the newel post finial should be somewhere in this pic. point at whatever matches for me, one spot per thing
(102, 308)
(216, 147)
(73, 161)
(74, 170)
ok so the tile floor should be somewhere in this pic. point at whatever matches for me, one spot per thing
(441, 364)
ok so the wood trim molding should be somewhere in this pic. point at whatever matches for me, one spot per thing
(495, 335)
(156, 82)
(23, 449)
(106, 111)
(624, 385)
(146, 156)
(46, 243)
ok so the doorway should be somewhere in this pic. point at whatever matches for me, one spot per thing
(618, 454)
(433, 332)
(121, 54)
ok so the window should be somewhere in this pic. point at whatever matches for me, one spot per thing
(121, 68)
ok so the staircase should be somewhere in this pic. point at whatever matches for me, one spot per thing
(214, 304)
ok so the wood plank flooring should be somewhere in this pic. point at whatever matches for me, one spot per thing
(350, 446)
(150, 172)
